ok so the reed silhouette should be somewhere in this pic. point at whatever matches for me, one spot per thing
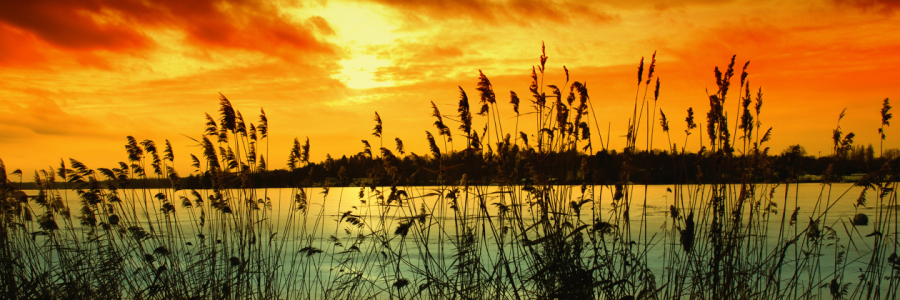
(513, 215)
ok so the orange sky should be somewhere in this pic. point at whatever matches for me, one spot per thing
(77, 77)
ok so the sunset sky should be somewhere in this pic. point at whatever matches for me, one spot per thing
(78, 76)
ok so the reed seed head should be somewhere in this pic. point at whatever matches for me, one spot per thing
(377, 130)
(652, 68)
(641, 71)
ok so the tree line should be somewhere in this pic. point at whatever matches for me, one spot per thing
(515, 165)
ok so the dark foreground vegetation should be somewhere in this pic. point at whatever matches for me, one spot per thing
(604, 168)
(529, 237)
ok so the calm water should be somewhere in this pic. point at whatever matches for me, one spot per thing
(321, 227)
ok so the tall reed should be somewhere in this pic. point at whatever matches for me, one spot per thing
(521, 215)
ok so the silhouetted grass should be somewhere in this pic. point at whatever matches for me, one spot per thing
(512, 235)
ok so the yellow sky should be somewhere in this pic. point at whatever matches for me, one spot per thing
(77, 77)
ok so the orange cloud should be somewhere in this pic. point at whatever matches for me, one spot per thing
(662, 4)
(17, 48)
(418, 61)
(882, 6)
(122, 26)
(44, 117)
(519, 12)
(71, 25)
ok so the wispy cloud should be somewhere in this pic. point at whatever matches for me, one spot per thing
(881, 6)
(44, 117)
(519, 12)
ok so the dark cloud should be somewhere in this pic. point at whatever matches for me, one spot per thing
(70, 25)
(122, 25)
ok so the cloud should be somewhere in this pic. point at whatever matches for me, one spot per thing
(661, 4)
(44, 117)
(125, 26)
(882, 6)
(17, 48)
(321, 25)
(519, 12)
(747, 39)
(415, 61)
(71, 25)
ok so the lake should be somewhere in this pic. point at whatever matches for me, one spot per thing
(349, 236)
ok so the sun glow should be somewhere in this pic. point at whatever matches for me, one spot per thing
(359, 72)
(360, 29)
